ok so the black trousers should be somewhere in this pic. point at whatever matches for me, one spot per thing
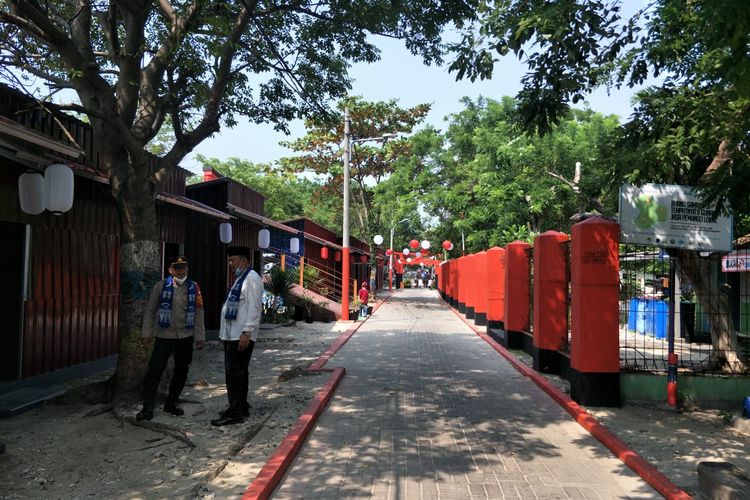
(183, 356)
(237, 372)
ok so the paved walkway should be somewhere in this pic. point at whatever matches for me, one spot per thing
(429, 410)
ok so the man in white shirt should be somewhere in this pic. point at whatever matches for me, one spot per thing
(240, 322)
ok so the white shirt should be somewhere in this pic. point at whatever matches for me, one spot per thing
(248, 312)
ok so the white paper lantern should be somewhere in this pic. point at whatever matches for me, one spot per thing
(264, 238)
(408, 259)
(425, 244)
(59, 185)
(450, 248)
(294, 245)
(31, 192)
(225, 232)
(406, 251)
(378, 239)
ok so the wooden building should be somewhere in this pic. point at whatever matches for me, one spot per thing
(61, 300)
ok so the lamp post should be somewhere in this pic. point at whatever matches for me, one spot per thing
(348, 143)
(390, 264)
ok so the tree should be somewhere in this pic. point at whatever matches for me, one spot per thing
(371, 163)
(495, 183)
(692, 128)
(203, 64)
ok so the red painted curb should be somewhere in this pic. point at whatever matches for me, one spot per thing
(633, 460)
(275, 468)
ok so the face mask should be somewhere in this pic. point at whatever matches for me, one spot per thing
(179, 281)
(238, 272)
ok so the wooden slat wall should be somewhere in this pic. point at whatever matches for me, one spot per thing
(71, 315)
(171, 221)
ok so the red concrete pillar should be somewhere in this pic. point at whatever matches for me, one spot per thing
(471, 286)
(482, 284)
(439, 277)
(495, 287)
(462, 288)
(517, 293)
(550, 300)
(595, 325)
(454, 283)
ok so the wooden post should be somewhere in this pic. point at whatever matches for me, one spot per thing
(302, 272)
(283, 262)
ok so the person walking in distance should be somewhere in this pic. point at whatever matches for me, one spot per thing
(174, 316)
(364, 297)
(240, 322)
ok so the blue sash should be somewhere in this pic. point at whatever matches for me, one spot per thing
(165, 303)
(233, 299)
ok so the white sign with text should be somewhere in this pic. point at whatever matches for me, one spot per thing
(666, 215)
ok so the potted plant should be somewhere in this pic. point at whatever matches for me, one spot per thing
(354, 306)
(278, 283)
(307, 302)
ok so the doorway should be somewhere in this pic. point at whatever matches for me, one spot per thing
(11, 299)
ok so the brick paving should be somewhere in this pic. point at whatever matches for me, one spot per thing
(428, 410)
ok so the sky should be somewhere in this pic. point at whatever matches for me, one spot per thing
(401, 76)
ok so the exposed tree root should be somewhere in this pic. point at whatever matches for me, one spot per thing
(99, 410)
(233, 450)
(155, 445)
(169, 430)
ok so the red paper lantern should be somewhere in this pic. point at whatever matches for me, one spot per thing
(337, 256)
(324, 253)
(447, 245)
(363, 259)
(389, 252)
(414, 244)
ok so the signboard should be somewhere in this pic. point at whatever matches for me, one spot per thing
(665, 215)
(736, 262)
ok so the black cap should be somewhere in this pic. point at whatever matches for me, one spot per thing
(178, 261)
(239, 251)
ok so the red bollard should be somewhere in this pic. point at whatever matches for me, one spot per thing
(483, 282)
(516, 293)
(595, 324)
(471, 287)
(672, 380)
(463, 287)
(550, 300)
(495, 287)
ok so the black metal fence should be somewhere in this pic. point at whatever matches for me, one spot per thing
(710, 319)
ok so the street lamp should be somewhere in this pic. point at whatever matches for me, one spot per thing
(390, 264)
(348, 143)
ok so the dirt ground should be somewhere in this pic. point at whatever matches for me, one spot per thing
(61, 451)
(64, 451)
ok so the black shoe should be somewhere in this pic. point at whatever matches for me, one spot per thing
(228, 420)
(173, 409)
(145, 414)
(245, 412)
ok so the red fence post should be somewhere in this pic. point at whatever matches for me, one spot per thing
(550, 300)
(516, 293)
(482, 286)
(471, 285)
(595, 325)
(495, 287)
(462, 288)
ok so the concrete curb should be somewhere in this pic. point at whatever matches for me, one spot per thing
(633, 460)
(274, 469)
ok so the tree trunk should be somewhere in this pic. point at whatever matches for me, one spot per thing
(701, 272)
(140, 264)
